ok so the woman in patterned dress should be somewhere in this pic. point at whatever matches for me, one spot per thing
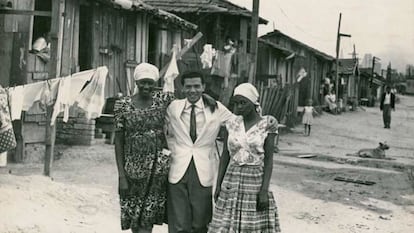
(244, 203)
(141, 154)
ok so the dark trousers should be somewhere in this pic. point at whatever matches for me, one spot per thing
(386, 115)
(189, 204)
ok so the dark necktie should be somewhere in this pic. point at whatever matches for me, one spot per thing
(193, 127)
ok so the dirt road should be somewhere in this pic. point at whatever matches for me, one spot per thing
(82, 196)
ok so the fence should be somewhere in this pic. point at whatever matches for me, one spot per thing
(279, 102)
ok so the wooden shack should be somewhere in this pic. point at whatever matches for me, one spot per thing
(115, 33)
(370, 87)
(349, 78)
(281, 58)
(218, 20)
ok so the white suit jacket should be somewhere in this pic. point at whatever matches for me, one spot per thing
(183, 148)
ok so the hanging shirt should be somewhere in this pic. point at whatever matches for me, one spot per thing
(68, 92)
(39, 94)
(207, 56)
(170, 75)
(92, 97)
(16, 95)
(222, 64)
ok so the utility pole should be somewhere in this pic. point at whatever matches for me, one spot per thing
(374, 59)
(338, 44)
(354, 56)
(53, 63)
(253, 41)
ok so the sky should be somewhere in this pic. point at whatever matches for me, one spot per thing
(383, 28)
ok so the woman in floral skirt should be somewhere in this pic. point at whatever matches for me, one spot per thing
(141, 154)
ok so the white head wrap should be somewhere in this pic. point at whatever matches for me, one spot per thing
(249, 91)
(146, 70)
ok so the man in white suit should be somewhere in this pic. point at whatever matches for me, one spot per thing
(193, 124)
(192, 129)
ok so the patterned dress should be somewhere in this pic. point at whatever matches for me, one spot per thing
(146, 167)
(236, 207)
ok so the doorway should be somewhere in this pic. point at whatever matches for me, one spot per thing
(85, 37)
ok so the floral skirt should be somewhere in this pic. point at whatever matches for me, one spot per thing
(235, 210)
(145, 202)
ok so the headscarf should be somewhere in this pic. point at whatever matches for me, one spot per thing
(146, 70)
(249, 91)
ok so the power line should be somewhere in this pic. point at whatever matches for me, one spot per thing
(300, 28)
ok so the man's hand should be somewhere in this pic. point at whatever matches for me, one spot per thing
(210, 102)
(272, 123)
(262, 201)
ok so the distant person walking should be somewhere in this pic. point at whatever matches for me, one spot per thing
(307, 117)
(387, 103)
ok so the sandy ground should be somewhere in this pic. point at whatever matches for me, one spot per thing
(82, 197)
(338, 135)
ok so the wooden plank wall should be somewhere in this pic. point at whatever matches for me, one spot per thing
(110, 45)
(69, 41)
(15, 33)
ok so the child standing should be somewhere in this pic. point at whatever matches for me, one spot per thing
(307, 118)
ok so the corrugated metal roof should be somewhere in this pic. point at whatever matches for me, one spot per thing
(158, 13)
(202, 6)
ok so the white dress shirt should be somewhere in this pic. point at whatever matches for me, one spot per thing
(387, 99)
(200, 116)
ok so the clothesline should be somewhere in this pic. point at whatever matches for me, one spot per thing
(84, 89)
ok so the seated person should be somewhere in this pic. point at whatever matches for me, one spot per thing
(330, 101)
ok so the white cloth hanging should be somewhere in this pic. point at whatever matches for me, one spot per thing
(68, 92)
(207, 56)
(171, 73)
(92, 98)
(16, 95)
(62, 101)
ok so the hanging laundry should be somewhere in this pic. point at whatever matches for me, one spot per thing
(32, 93)
(222, 64)
(207, 56)
(92, 98)
(62, 100)
(16, 95)
(67, 92)
(171, 73)
(39, 95)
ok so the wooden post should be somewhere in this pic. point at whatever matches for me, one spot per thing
(53, 68)
(253, 41)
(18, 131)
(338, 45)
(338, 41)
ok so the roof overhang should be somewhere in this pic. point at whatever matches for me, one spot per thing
(137, 5)
(276, 46)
